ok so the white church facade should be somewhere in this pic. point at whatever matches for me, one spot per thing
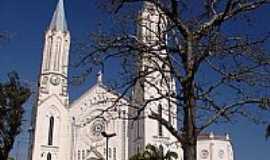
(64, 130)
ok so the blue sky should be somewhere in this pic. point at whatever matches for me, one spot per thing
(27, 20)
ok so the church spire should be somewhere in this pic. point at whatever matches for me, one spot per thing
(58, 22)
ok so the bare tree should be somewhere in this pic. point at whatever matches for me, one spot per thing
(220, 75)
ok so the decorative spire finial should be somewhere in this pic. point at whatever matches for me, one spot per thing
(58, 22)
(99, 77)
(227, 136)
(211, 135)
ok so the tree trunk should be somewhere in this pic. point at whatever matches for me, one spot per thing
(190, 136)
(190, 151)
(189, 123)
(3, 155)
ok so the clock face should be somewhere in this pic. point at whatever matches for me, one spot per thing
(55, 80)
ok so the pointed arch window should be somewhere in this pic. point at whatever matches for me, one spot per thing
(160, 131)
(49, 53)
(79, 155)
(57, 54)
(110, 152)
(138, 125)
(114, 153)
(161, 150)
(64, 57)
(50, 133)
(83, 154)
(170, 113)
(49, 156)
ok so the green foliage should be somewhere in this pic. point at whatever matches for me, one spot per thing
(152, 152)
(12, 97)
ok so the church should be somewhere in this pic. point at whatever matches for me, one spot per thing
(89, 128)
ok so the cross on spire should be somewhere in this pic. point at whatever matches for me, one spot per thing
(58, 22)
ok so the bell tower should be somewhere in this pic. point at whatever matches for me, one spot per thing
(51, 135)
(54, 70)
(153, 91)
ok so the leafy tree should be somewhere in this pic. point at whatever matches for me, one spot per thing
(222, 73)
(12, 97)
(152, 152)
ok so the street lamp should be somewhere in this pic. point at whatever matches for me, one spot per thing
(107, 136)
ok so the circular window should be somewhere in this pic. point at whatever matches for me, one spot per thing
(221, 154)
(97, 127)
(204, 154)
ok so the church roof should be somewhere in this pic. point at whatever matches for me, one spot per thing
(58, 22)
(101, 85)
